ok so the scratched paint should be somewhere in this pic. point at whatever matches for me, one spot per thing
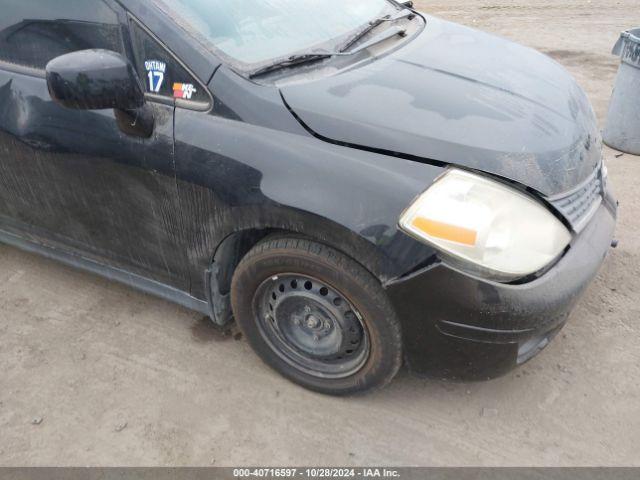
(74, 179)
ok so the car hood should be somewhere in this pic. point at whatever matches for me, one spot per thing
(463, 97)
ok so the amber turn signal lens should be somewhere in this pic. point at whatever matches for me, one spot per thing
(446, 231)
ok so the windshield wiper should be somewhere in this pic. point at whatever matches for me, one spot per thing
(404, 13)
(311, 57)
(292, 61)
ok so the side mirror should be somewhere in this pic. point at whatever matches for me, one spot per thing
(94, 80)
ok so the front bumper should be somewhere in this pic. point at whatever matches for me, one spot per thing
(458, 326)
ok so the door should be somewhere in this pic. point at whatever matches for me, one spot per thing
(73, 179)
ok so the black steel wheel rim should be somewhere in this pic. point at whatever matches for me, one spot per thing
(311, 326)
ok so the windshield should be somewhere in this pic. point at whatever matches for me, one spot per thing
(255, 31)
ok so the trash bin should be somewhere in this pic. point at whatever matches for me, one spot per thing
(622, 131)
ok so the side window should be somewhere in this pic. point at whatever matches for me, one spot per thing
(162, 74)
(32, 32)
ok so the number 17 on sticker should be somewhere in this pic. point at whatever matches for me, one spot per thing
(156, 71)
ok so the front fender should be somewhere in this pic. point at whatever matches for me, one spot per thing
(234, 176)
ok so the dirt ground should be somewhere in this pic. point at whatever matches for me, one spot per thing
(93, 373)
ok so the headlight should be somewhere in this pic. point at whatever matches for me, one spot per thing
(505, 233)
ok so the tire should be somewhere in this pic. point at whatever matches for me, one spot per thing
(316, 316)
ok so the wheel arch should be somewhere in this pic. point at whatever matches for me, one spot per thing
(230, 251)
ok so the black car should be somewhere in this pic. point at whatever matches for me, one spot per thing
(356, 183)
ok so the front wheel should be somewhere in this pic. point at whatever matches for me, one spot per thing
(316, 316)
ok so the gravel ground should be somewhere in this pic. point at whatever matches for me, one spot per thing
(96, 374)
